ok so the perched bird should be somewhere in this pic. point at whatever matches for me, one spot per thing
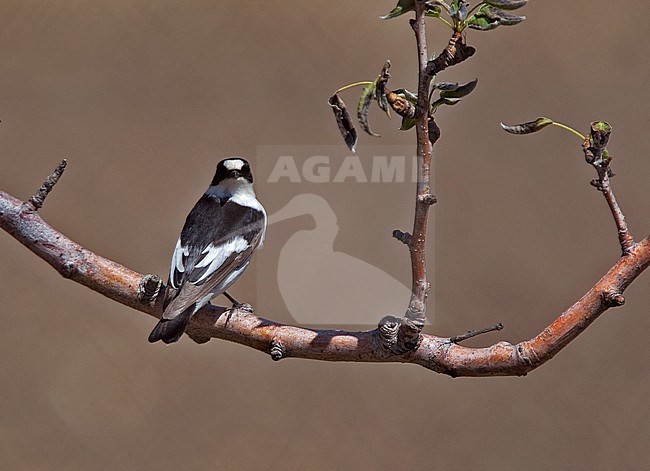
(215, 246)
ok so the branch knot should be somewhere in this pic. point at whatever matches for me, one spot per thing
(149, 288)
(388, 328)
(277, 350)
(428, 199)
(613, 299)
(67, 270)
(399, 335)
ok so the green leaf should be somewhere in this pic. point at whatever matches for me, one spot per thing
(433, 11)
(444, 101)
(489, 17)
(382, 101)
(599, 134)
(529, 127)
(508, 19)
(459, 91)
(596, 153)
(458, 10)
(403, 6)
(407, 123)
(601, 126)
(482, 23)
(506, 4)
(445, 86)
(367, 95)
(344, 121)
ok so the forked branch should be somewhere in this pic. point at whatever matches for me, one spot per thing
(442, 355)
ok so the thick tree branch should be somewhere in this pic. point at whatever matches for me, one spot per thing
(282, 341)
(67, 257)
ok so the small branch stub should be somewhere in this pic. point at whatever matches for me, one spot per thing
(403, 237)
(35, 202)
(408, 337)
(67, 270)
(428, 199)
(149, 289)
(399, 335)
(388, 329)
(277, 350)
(614, 299)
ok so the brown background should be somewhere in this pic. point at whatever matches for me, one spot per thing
(143, 97)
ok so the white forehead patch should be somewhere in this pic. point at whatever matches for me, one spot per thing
(233, 164)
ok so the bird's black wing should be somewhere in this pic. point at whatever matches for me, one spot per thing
(218, 237)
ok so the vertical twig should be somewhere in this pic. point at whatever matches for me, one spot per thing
(597, 155)
(624, 236)
(416, 311)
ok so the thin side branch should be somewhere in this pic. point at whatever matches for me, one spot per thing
(35, 202)
(624, 236)
(284, 341)
(474, 333)
(597, 155)
(403, 237)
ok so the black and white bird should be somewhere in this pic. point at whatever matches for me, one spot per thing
(219, 237)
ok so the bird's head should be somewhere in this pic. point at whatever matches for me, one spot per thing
(232, 170)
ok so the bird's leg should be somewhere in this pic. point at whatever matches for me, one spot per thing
(235, 303)
(237, 306)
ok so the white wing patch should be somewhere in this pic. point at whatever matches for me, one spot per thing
(231, 278)
(177, 261)
(203, 301)
(214, 257)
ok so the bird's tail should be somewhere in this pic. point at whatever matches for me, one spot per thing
(170, 330)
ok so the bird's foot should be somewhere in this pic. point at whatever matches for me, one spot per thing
(237, 306)
(245, 307)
